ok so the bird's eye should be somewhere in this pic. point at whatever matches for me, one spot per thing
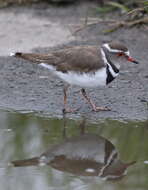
(120, 54)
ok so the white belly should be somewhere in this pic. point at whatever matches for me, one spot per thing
(81, 79)
(84, 80)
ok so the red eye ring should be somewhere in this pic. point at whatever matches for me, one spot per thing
(120, 54)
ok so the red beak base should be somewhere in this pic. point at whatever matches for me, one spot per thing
(132, 60)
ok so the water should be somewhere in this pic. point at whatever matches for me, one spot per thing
(86, 156)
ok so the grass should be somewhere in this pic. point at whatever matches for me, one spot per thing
(4, 3)
(123, 6)
(17, 1)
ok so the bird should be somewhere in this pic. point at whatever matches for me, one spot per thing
(84, 155)
(85, 66)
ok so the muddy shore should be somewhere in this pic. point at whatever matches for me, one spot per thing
(25, 87)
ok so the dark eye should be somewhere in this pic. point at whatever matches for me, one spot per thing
(120, 54)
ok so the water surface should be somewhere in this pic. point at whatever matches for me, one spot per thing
(24, 136)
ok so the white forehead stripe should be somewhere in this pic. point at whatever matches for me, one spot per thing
(127, 53)
(114, 50)
(111, 50)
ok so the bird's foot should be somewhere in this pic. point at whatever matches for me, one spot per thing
(96, 109)
(70, 110)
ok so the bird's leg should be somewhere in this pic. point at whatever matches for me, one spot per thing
(64, 125)
(67, 110)
(94, 107)
(65, 95)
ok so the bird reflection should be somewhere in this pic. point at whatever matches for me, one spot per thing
(83, 155)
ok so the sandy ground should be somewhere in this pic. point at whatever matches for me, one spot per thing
(26, 87)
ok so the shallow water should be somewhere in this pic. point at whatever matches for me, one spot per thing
(23, 136)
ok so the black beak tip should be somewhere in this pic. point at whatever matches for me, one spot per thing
(136, 62)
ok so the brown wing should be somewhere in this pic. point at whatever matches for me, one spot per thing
(79, 58)
(82, 58)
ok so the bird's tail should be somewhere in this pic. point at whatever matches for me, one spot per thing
(27, 162)
(33, 57)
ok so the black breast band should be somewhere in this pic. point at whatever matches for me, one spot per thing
(109, 78)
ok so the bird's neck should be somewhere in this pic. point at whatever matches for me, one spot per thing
(112, 65)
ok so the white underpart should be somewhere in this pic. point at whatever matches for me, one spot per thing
(95, 79)
(50, 67)
(90, 170)
(12, 54)
(111, 177)
(113, 73)
(84, 79)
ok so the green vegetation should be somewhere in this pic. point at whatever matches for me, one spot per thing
(5, 3)
(124, 6)
(133, 13)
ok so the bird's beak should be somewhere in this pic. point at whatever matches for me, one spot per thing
(132, 60)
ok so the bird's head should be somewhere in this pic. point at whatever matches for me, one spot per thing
(117, 53)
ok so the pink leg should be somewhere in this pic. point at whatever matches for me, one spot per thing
(67, 110)
(94, 107)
